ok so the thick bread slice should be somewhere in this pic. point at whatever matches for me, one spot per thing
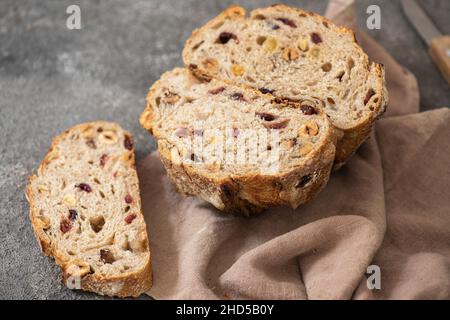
(270, 152)
(292, 54)
(85, 210)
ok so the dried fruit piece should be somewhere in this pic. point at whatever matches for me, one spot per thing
(108, 137)
(287, 22)
(237, 96)
(181, 132)
(106, 256)
(224, 37)
(369, 95)
(326, 67)
(309, 129)
(91, 144)
(237, 70)
(84, 187)
(270, 45)
(129, 218)
(277, 125)
(266, 116)
(73, 214)
(217, 90)
(315, 38)
(69, 200)
(275, 27)
(303, 44)
(266, 91)
(103, 159)
(290, 54)
(170, 98)
(308, 110)
(128, 199)
(235, 132)
(65, 225)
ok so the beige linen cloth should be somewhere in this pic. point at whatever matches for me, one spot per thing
(389, 206)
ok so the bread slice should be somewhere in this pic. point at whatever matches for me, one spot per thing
(235, 147)
(85, 210)
(291, 54)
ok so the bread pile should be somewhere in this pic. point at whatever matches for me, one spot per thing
(266, 106)
(291, 72)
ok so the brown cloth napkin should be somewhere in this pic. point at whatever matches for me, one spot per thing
(389, 207)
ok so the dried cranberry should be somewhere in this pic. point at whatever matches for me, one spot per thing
(224, 37)
(265, 116)
(65, 225)
(181, 132)
(287, 22)
(91, 144)
(216, 90)
(315, 38)
(84, 187)
(128, 199)
(369, 95)
(308, 110)
(128, 143)
(237, 96)
(106, 256)
(103, 159)
(265, 90)
(235, 132)
(73, 214)
(129, 218)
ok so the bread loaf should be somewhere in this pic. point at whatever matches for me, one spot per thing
(85, 210)
(293, 54)
(238, 148)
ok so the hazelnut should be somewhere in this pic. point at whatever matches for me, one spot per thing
(303, 44)
(309, 129)
(108, 137)
(43, 222)
(69, 200)
(315, 52)
(210, 64)
(270, 45)
(77, 269)
(306, 148)
(175, 156)
(290, 54)
(237, 70)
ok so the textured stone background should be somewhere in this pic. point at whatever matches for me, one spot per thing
(52, 78)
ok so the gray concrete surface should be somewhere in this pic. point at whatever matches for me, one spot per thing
(52, 78)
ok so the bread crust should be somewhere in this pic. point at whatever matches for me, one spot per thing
(127, 284)
(249, 193)
(351, 137)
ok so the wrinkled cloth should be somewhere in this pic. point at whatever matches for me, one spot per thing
(389, 206)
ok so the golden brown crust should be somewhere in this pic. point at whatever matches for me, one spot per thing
(127, 284)
(352, 137)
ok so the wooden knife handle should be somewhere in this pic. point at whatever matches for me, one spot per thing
(439, 50)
